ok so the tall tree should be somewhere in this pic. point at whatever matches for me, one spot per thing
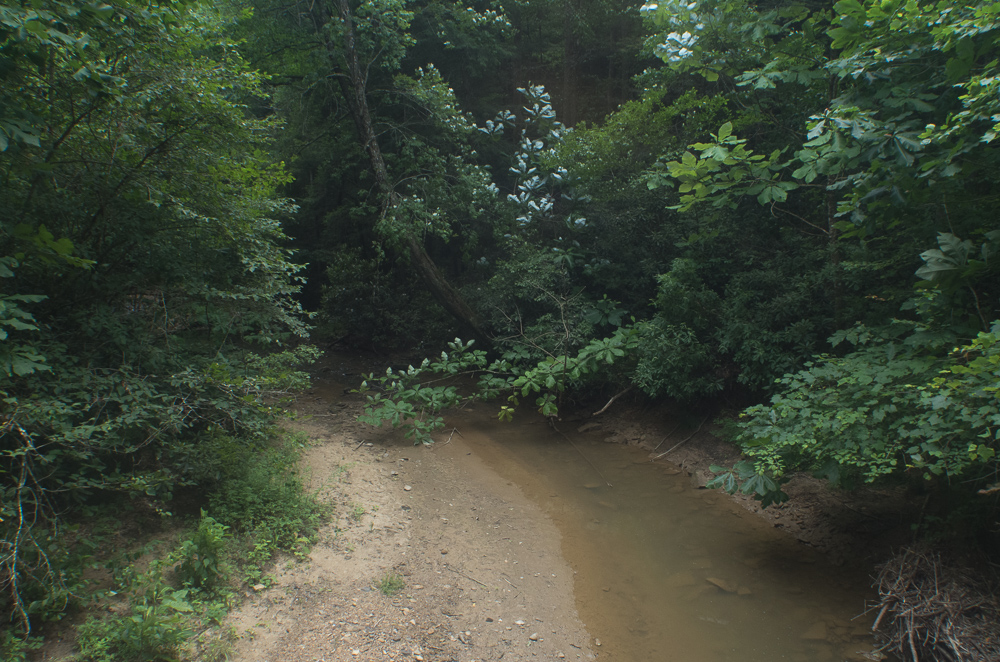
(353, 81)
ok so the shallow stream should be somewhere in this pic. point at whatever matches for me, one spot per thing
(668, 572)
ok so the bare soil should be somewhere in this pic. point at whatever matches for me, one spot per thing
(484, 579)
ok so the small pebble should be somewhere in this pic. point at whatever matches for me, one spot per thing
(597, 642)
(534, 636)
(407, 488)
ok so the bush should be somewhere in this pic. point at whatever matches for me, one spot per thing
(894, 407)
(200, 555)
(90, 434)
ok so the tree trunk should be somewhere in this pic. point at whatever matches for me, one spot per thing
(833, 244)
(353, 85)
(443, 292)
(569, 111)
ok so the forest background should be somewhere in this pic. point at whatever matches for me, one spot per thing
(710, 202)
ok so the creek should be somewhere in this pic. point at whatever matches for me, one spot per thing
(665, 571)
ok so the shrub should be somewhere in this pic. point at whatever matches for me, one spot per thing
(154, 630)
(200, 554)
(891, 408)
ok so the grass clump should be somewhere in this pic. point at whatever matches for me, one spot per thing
(390, 584)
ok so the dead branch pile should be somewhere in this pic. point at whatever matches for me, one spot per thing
(932, 612)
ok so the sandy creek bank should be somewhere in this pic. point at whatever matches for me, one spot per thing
(484, 576)
(485, 567)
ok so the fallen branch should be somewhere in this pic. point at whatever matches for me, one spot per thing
(666, 437)
(613, 398)
(683, 441)
(462, 574)
(880, 615)
(936, 612)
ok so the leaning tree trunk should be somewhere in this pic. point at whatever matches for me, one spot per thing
(353, 85)
(570, 55)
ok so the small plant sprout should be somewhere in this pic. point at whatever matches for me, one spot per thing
(390, 583)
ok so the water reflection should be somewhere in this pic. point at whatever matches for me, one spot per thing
(669, 572)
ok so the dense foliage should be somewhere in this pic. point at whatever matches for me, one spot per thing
(146, 286)
(787, 177)
(895, 149)
(712, 200)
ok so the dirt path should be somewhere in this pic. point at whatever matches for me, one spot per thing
(484, 579)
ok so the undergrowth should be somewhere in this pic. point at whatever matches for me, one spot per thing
(265, 503)
(257, 507)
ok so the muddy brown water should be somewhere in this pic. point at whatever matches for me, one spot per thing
(669, 572)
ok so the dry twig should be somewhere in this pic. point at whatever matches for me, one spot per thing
(934, 612)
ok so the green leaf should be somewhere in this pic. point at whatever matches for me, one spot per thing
(957, 68)
(104, 12)
(850, 7)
